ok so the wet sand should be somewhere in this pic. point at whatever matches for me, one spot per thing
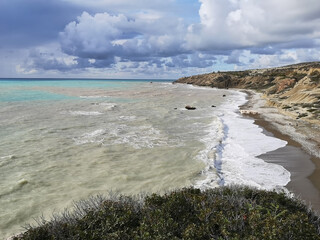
(305, 174)
(304, 168)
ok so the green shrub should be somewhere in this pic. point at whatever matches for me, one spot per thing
(286, 107)
(221, 213)
(315, 76)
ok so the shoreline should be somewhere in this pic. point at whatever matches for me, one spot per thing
(303, 166)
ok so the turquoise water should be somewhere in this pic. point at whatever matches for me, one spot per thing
(13, 90)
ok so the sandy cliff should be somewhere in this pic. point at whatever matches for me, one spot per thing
(294, 89)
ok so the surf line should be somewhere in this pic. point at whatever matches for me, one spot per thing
(219, 152)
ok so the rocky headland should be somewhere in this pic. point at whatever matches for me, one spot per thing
(288, 98)
(293, 89)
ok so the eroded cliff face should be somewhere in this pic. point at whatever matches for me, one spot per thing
(294, 89)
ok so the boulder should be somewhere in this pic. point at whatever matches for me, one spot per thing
(188, 107)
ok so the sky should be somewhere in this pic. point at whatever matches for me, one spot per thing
(154, 39)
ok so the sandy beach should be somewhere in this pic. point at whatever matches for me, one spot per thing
(301, 163)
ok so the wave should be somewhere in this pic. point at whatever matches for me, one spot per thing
(232, 154)
(8, 157)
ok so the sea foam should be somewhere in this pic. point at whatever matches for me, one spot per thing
(236, 143)
(85, 113)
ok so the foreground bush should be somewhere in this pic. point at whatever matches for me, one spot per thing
(221, 213)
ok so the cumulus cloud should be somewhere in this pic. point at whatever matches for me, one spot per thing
(234, 24)
(157, 36)
(139, 38)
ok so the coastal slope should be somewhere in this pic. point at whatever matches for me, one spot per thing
(293, 89)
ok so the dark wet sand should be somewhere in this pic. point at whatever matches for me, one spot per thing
(304, 169)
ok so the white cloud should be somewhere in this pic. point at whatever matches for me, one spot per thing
(103, 35)
(232, 24)
(147, 37)
(25, 71)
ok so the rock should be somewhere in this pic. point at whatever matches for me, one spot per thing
(248, 112)
(188, 107)
(293, 85)
(175, 108)
(213, 106)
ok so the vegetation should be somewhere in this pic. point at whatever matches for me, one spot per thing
(315, 76)
(298, 76)
(222, 213)
(286, 107)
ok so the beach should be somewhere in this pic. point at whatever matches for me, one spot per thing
(297, 157)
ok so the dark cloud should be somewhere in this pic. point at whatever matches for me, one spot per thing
(146, 36)
(49, 61)
(234, 58)
(267, 50)
(105, 36)
(194, 60)
(33, 22)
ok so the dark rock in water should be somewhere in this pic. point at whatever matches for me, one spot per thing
(223, 95)
(190, 107)
(213, 106)
(175, 108)
(150, 82)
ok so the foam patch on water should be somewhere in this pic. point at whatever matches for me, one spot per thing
(7, 157)
(144, 136)
(107, 106)
(127, 118)
(93, 97)
(92, 137)
(85, 113)
(138, 137)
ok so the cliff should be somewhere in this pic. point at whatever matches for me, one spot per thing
(293, 89)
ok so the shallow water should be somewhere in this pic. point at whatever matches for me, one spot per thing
(61, 141)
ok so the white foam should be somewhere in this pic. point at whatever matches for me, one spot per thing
(245, 141)
(128, 118)
(108, 106)
(144, 136)
(93, 97)
(85, 113)
(92, 137)
(209, 155)
(8, 157)
(234, 150)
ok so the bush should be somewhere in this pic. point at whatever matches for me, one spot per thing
(221, 213)
(315, 76)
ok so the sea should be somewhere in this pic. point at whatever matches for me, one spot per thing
(62, 140)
